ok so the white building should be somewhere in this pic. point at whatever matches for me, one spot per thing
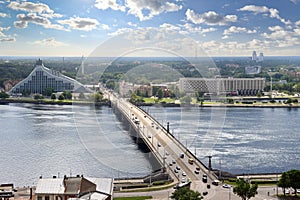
(79, 187)
(244, 86)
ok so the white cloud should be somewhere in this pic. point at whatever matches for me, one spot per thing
(132, 24)
(209, 18)
(295, 1)
(3, 14)
(234, 29)
(23, 21)
(297, 23)
(49, 42)
(106, 4)
(271, 12)
(83, 24)
(41, 8)
(105, 27)
(188, 28)
(153, 7)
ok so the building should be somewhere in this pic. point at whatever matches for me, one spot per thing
(254, 56)
(243, 86)
(6, 191)
(78, 187)
(41, 79)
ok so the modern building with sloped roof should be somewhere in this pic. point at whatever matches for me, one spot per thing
(71, 188)
(43, 78)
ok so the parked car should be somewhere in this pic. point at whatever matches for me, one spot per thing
(197, 172)
(183, 174)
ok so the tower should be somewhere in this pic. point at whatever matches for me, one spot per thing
(82, 66)
(254, 56)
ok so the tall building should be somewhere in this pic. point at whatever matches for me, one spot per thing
(244, 86)
(254, 56)
(42, 78)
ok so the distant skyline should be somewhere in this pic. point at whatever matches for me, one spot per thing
(186, 27)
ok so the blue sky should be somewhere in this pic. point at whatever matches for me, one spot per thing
(114, 27)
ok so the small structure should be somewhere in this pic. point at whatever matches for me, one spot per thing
(70, 188)
(6, 191)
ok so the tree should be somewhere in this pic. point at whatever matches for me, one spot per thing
(185, 193)
(67, 95)
(98, 97)
(259, 94)
(294, 176)
(244, 189)
(3, 95)
(284, 181)
(48, 92)
(61, 97)
(53, 96)
(38, 97)
(160, 94)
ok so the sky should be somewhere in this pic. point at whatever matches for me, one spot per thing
(149, 27)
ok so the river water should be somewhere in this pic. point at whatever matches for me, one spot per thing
(47, 140)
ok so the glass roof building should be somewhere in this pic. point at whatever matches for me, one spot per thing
(42, 78)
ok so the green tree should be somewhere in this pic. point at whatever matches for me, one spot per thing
(61, 97)
(38, 97)
(186, 194)
(98, 97)
(259, 94)
(3, 95)
(294, 176)
(244, 189)
(48, 92)
(284, 181)
(160, 94)
(53, 96)
(67, 94)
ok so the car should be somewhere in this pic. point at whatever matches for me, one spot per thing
(196, 172)
(177, 167)
(175, 170)
(204, 178)
(158, 144)
(298, 191)
(215, 182)
(208, 186)
(183, 180)
(167, 153)
(149, 136)
(225, 186)
(204, 193)
(183, 174)
(170, 164)
(181, 155)
(287, 191)
(173, 161)
(198, 168)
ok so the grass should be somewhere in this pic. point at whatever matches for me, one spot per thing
(133, 198)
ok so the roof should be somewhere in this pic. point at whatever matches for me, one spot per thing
(76, 185)
(50, 186)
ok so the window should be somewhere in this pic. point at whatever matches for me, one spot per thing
(39, 198)
(47, 198)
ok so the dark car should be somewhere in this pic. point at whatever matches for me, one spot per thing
(204, 193)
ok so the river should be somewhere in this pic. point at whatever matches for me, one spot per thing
(47, 140)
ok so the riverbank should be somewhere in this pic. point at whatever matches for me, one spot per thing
(107, 103)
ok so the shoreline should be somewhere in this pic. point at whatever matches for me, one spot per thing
(107, 103)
